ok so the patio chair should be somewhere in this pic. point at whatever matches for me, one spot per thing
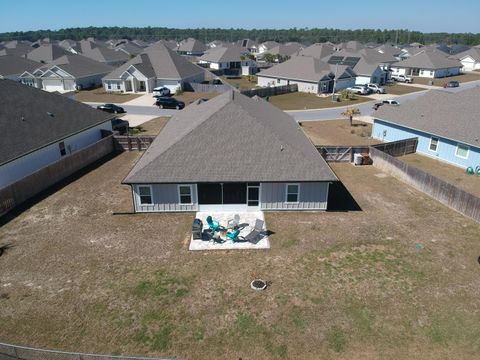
(233, 223)
(233, 235)
(213, 225)
(257, 233)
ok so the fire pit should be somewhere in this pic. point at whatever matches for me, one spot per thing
(258, 284)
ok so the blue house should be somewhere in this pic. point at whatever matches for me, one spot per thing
(447, 125)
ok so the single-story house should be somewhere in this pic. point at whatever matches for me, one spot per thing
(445, 123)
(192, 47)
(12, 67)
(98, 51)
(265, 46)
(249, 45)
(39, 128)
(231, 58)
(67, 73)
(283, 51)
(429, 64)
(470, 59)
(231, 153)
(156, 66)
(312, 75)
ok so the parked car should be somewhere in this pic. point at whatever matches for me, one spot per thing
(111, 108)
(452, 84)
(402, 78)
(120, 125)
(391, 102)
(161, 91)
(358, 89)
(376, 89)
(169, 103)
(376, 106)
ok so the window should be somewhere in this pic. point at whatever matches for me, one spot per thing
(61, 146)
(145, 194)
(433, 144)
(109, 86)
(185, 194)
(462, 151)
(118, 86)
(293, 190)
(278, 81)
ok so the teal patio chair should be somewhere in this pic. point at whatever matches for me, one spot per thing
(213, 225)
(233, 235)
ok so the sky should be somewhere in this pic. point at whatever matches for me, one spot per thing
(419, 15)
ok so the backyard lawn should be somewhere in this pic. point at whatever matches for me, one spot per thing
(396, 280)
(452, 174)
(151, 127)
(302, 101)
(101, 96)
(440, 81)
(241, 83)
(339, 132)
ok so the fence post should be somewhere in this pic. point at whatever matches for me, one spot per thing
(15, 352)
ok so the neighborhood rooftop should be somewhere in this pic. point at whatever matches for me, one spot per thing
(31, 119)
(449, 115)
(231, 138)
(428, 60)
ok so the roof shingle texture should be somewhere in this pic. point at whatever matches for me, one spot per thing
(231, 138)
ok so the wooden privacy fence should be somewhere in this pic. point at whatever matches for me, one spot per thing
(345, 153)
(206, 88)
(130, 143)
(25, 188)
(446, 193)
(271, 91)
(15, 352)
(398, 148)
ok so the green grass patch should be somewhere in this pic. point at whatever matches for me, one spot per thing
(163, 284)
(337, 339)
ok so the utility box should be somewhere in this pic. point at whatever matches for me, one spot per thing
(357, 159)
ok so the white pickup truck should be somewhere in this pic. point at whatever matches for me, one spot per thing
(402, 78)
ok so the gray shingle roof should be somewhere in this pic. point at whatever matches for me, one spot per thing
(428, 60)
(230, 138)
(305, 68)
(46, 53)
(318, 51)
(223, 54)
(441, 113)
(80, 66)
(191, 45)
(38, 129)
(13, 65)
(101, 53)
(473, 52)
(285, 49)
(160, 62)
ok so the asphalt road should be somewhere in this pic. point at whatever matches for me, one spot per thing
(301, 115)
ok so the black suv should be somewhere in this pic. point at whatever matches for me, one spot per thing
(169, 103)
(111, 108)
(120, 125)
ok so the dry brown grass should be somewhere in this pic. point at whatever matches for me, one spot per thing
(189, 96)
(339, 132)
(397, 89)
(151, 127)
(241, 83)
(344, 285)
(302, 101)
(452, 174)
(101, 96)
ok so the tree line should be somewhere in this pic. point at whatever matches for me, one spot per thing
(303, 35)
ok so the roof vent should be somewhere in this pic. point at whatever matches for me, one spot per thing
(281, 147)
(23, 118)
(50, 114)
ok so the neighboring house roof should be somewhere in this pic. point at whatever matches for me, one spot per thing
(130, 48)
(101, 53)
(191, 45)
(224, 54)
(269, 44)
(428, 60)
(474, 53)
(441, 113)
(246, 43)
(46, 53)
(390, 50)
(26, 122)
(171, 44)
(218, 43)
(319, 50)
(230, 138)
(13, 65)
(353, 45)
(160, 62)
(458, 48)
(16, 48)
(140, 43)
(79, 66)
(288, 49)
(306, 68)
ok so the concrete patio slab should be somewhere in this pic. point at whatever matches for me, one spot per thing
(247, 223)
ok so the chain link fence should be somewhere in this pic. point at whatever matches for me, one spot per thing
(14, 352)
